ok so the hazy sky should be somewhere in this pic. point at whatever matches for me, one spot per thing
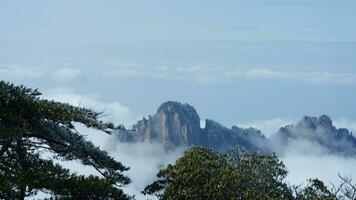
(234, 60)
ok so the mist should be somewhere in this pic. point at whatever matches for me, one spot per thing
(303, 159)
(307, 160)
(144, 160)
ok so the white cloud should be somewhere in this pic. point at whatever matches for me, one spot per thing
(307, 76)
(328, 77)
(305, 159)
(271, 126)
(346, 123)
(66, 74)
(144, 160)
(219, 74)
(195, 73)
(324, 167)
(113, 111)
(268, 126)
(10, 72)
(25, 72)
(264, 73)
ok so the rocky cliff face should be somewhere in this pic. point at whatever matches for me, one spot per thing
(176, 124)
(321, 131)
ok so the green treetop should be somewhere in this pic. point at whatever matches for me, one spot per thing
(203, 174)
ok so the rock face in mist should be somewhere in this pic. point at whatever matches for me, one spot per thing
(176, 125)
(320, 131)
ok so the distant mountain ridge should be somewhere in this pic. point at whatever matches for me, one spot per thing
(321, 131)
(178, 125)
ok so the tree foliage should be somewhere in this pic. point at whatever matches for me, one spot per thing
(30, 126)
(204, 174)
(315, 190)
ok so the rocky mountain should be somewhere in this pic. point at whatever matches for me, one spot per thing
(320, 131)
(176, 124)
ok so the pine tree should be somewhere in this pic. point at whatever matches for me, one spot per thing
(30, 126)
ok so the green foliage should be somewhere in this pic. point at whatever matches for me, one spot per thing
(203, 174)
(315, 190)
(30, 126)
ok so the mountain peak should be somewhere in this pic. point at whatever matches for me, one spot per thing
(184, 113)
(325, 121)
(320, 130)
(176, 124)
(314, 123)
(173, 106)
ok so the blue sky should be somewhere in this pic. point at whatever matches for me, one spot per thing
(235, 61)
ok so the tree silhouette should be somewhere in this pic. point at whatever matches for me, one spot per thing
(31, 126)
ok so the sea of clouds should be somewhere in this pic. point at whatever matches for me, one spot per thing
(302, 158)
